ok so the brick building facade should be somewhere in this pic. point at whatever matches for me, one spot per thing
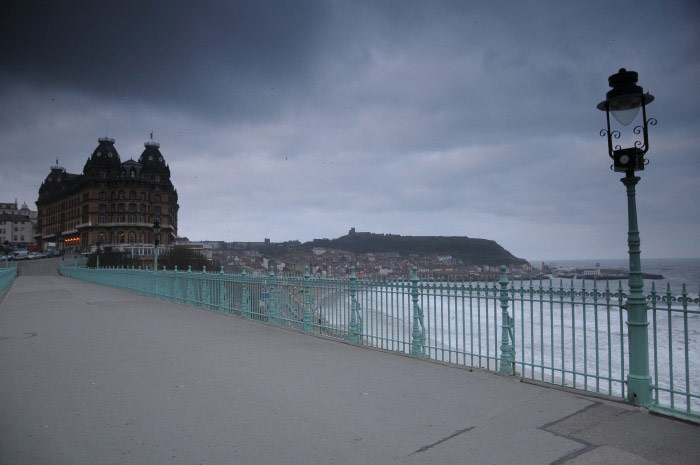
(111, 202)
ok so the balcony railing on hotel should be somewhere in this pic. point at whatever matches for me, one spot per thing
(554, 332)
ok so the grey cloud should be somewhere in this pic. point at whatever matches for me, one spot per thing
(302, 119)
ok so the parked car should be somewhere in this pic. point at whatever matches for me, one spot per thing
(56, 253)
(33, 255)
(20, 254)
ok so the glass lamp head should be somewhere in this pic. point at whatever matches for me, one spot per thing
(625, 98)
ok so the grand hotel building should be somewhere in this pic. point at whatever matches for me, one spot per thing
(111, 202)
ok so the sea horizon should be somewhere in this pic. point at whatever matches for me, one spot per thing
(676, 272)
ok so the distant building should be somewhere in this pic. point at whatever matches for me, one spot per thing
(17, 225)
(111, 202)
(593, 272)
(16, 230)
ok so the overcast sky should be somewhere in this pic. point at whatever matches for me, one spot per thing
(299, 119)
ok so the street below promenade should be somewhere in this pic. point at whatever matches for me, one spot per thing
(94, 375)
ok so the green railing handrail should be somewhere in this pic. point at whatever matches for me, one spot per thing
(8, 273)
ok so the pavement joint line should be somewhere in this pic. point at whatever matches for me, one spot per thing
(581, 394)
(587, 445)
(660, 413)
(430, 446)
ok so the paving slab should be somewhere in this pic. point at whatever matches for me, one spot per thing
(97, 375)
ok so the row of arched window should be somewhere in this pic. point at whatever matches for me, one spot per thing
(102, 208)
(122, 218)
(121, 195)
(121, 237)
(132, 174)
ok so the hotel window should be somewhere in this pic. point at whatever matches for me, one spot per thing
(157, 178)
(112, 195)
(132, 218)
(103, 175)
(143, 196)
(101, 219)
(132, 195)
(121, 218)
(121, 207)
(143, 208)
(103, 196)
(156, 198)
(121, 195)
(103, 208)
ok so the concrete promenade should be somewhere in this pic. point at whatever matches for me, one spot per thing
(93, 375)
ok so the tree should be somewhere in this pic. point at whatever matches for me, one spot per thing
(184, 258)
(112, 258)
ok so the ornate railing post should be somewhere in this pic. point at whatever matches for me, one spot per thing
(205, 295)
(245, 296)
(154, 283)
(189, 292)
(155, 258)
(355, 318)
(223, 295)
(164, 288)
(273, 315)
(418, 333)
(308, 314)
(176, 286)
(507, 363)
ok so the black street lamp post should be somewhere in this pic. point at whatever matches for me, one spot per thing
(624, 101)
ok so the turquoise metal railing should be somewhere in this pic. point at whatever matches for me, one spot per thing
(8, 272)
(555, 332)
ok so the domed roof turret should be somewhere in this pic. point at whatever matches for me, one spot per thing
(151, 158)
(104, 156)
(54, 181)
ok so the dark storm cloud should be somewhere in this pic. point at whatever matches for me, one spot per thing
(301, 119)
(242, 58)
